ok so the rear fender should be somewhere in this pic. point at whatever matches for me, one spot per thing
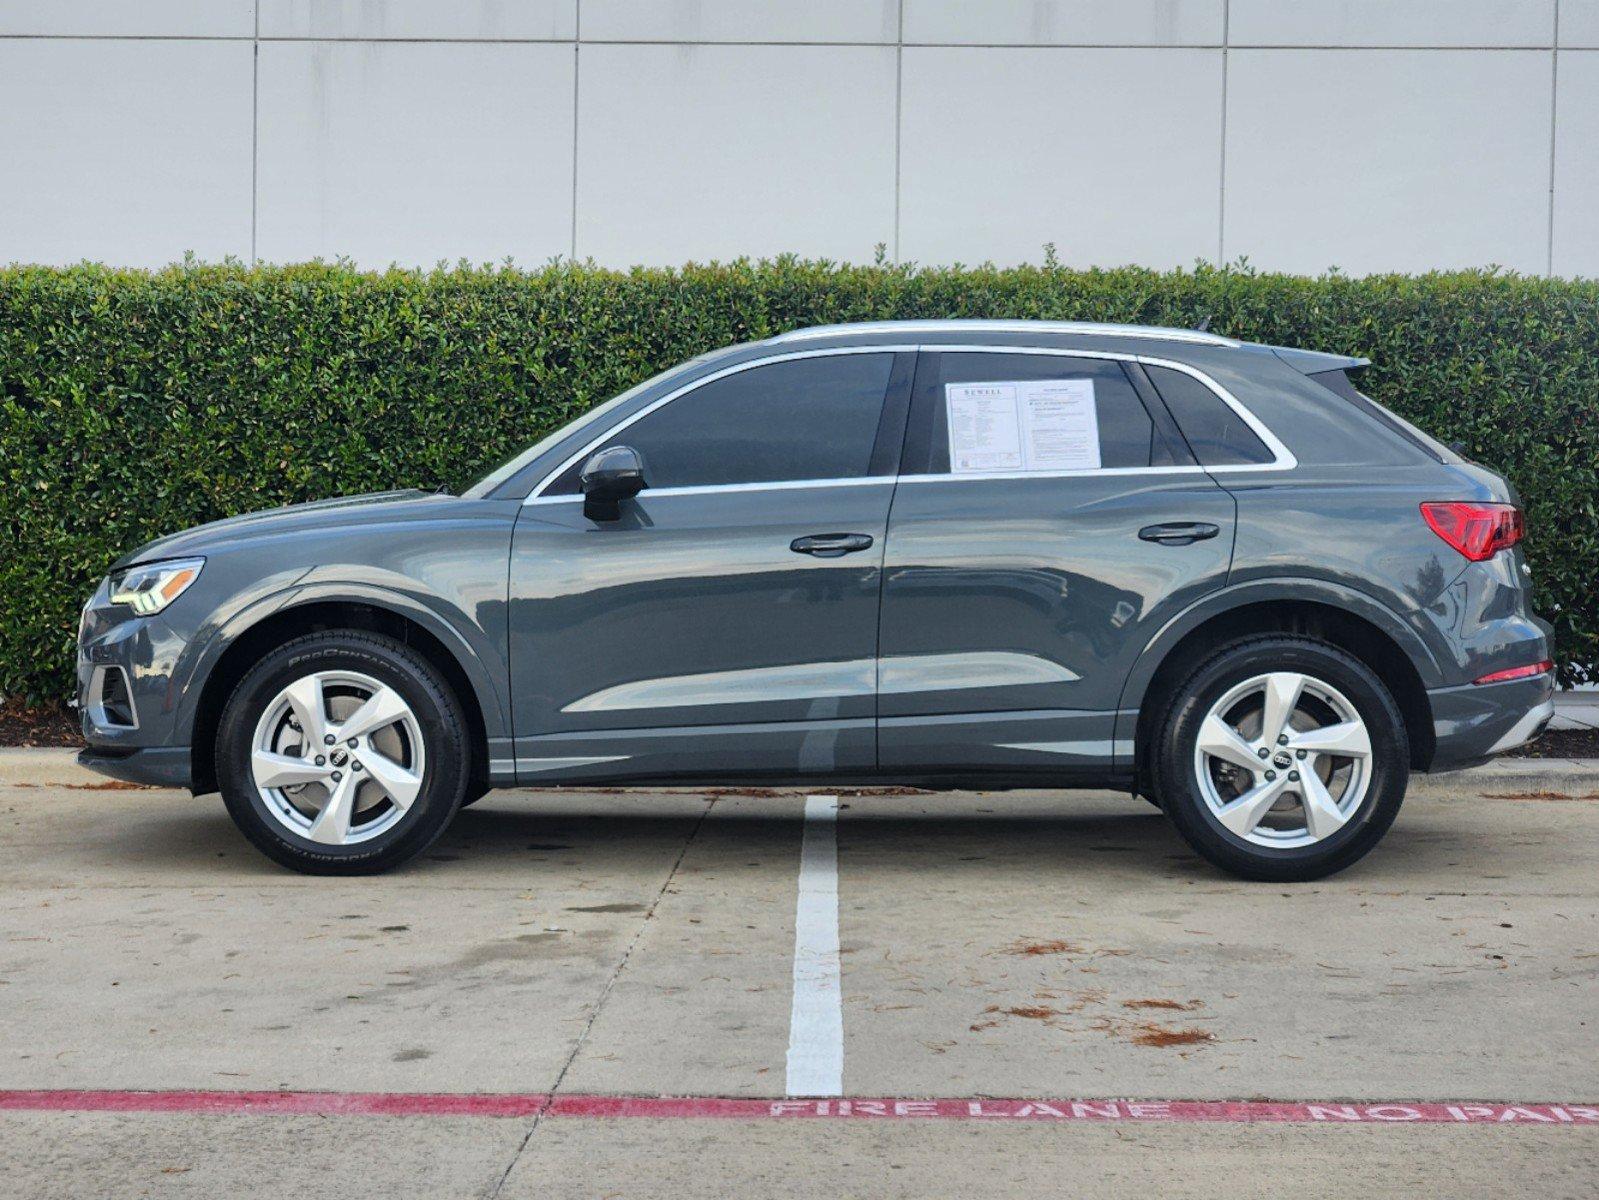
(1410, 634)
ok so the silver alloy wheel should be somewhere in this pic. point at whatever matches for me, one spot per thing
(1283, 760)
(338, 757)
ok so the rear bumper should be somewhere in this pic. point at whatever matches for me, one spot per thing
(158, 766)
(1473, 723)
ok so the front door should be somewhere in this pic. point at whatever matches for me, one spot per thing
(1020, 585)
(726, 623)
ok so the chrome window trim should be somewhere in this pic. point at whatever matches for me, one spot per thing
(1078, 328)
(705, 489)
(1282, 458)
(1093, 474)
(537, 494)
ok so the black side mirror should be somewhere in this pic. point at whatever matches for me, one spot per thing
(609, 477)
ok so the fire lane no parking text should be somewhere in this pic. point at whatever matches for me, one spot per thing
(502, 1105)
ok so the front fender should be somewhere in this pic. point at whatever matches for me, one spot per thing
(467, 643)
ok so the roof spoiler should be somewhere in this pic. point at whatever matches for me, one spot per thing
(1314, 362)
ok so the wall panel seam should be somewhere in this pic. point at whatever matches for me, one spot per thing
(1554, 117)
(255, 135)
(1221, 170)
(899, 120)
(577, 66)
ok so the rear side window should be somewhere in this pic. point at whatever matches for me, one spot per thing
(1216, 433)
(1026, 412)
(807, 418)
(1339, 383)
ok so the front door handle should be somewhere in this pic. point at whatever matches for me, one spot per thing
(831, 545)
(1179, 533)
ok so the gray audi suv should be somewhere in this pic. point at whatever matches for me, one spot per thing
(945, 554)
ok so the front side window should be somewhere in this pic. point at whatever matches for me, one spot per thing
(522, 458)
(806, 418)
(998, 413)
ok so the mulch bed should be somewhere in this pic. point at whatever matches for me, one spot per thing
(47, 726)
(1561, 743)
(42, 726)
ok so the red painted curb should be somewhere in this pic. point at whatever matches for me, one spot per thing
(348, 1104)
(527, 1104)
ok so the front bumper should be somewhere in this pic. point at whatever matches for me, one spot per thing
(127, 695)
(1474, 722)
(157, 766)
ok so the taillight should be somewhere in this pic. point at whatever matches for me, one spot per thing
(1478, 531)
(1537, 668)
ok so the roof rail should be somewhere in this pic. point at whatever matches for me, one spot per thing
(1090, 328)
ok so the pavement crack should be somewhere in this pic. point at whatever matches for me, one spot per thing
(599, 1004)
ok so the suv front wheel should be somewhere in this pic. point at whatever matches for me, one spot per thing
(342, 753)
(1282, 758)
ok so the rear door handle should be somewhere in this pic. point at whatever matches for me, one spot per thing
(831, 545)
(1179, 533)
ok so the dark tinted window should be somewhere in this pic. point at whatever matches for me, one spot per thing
(1217, 434)
(1339, 383)
(1127, 437)
(808, 418)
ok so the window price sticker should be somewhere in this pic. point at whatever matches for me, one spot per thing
(1030, 425)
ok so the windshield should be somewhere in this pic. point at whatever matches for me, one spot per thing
(521, 459)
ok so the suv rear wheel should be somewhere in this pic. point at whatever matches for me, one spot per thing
(1282, 758)
(342, 753)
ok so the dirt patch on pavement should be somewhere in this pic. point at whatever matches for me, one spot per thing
(1538, 796)
(108, 785)
(1159, 1036)
(1054, 946)
(1171, 1005)
(1139, 1032)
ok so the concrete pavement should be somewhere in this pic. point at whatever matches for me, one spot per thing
(1015, 945)
(207, 1158)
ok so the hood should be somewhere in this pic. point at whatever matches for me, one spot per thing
(373, 508)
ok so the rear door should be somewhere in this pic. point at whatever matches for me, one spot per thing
(726, 624)
(1020, 586)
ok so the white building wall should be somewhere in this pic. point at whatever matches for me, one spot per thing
(1371, 135)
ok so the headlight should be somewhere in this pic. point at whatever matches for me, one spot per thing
(150, 587)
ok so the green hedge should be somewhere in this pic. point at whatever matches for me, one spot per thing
(136, 403)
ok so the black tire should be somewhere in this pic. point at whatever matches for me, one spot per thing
(438, 715)
(1176, 780)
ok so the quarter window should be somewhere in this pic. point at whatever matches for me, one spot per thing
(1217, 434)
(807, 418)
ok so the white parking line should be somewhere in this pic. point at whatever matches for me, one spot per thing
(816, 1023)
